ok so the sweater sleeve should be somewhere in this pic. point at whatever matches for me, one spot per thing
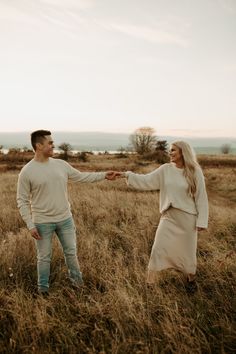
(201, 200)
(149, 181)
(75, 175)
(23, 200)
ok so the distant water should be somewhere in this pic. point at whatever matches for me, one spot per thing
(212, 150)
(96, 152)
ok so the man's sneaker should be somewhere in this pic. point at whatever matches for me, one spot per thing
(43, 293)
(77, 284)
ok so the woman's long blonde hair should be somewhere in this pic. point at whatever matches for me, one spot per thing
(190, 165)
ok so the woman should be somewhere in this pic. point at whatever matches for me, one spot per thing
(183, 208)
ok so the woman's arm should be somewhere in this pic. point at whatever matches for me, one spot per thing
(201, 201)
(149, 181)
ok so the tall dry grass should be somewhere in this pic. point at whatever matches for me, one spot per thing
(115, 312)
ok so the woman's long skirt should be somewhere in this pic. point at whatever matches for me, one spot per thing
(175, 243)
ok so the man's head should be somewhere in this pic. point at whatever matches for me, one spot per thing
(41, 141)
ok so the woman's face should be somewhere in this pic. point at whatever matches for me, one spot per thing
(175, 154)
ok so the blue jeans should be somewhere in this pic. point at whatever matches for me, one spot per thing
(65, 231)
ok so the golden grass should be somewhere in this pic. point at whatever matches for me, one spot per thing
(115, 312)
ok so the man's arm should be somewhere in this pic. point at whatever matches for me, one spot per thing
(88, 177)
(23, 203)
(23, 200)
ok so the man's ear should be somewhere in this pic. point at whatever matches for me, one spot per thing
(38, 146)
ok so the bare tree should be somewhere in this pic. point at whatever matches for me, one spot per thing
(143, 140)
(66, 148)
(225, 148)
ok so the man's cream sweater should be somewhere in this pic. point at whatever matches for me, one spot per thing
(42, 190)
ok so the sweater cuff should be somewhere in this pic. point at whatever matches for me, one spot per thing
(201, 223)
(30, 225)
(103, 175)
(127, 173)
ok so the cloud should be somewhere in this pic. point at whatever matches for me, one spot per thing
(228, 5)
(71, 15)
(39, 8)
(148, 34)
(230, 68)
(80, 4)
(67, 15)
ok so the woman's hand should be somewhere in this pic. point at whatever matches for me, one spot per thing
(200, 228)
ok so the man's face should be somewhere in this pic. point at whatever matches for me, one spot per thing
(46, 147)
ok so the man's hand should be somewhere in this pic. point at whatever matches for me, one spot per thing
(112, 175)
(35, 234)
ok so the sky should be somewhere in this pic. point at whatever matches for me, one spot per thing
(117, 65)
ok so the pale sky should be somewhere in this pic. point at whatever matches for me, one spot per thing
(116, 65)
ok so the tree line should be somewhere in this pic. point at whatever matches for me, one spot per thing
(143, 141)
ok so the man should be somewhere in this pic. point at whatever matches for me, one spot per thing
(43, 204)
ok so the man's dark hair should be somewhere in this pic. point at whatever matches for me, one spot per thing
(38, 137)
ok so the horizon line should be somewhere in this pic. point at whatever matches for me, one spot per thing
(125, 133)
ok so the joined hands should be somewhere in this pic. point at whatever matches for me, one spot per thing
(113, 175)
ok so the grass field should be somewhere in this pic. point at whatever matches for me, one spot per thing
(115, 312)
